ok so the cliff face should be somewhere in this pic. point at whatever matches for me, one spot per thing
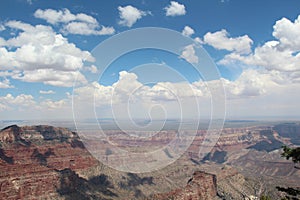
(44, 162)
(32, 160)
(201, 186)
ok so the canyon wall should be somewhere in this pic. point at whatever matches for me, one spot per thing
(33, 159)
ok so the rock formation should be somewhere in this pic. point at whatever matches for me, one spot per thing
(44, 162)
(32, 160)
(201, 186)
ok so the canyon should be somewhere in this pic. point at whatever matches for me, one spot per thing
(46, 162)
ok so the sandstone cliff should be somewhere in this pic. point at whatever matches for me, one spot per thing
(33, 160)
(45, 162)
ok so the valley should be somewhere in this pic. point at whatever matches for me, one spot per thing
(47, 162)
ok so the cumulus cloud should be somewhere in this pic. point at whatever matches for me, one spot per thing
(128, 89)
(187, 31)
(281, 55)
(250, 83)
(53, 105)
(128, 96)
(82, 28)
(22, 100)
(47, 92)
(24, 106)
(269, 57)
(38, 54)
(101, 94)
(80, 23)
(127, 82)
(221, 40)
(287, 33)
(175, 90)
(175, 9)
(188, 54)
(129, 86)
(129, 15)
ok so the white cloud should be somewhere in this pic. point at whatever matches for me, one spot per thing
(22, 100)
(175, 9)
(188, 54)
(269, 57)
(127, 82)
(274, 82)
(259, 86)
(5, 83)
(20, 25)
(24, 106)
(128, 97)
(82, 28)
(198, 40)
(249, 84)
(128, 86)
(93, 69)
(81, 23)
(63, 16)
(287, 33)
(101, 94)
(51, 77)
(129, 15)
(175, 90)
(187, 31)
(53, 105)
(47, 92)
(281, 55)
(221, 40)
(41, 55)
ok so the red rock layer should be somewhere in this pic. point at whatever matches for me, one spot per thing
(31, 160)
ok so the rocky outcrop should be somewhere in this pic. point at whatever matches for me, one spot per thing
(32, 159)
(201, 186)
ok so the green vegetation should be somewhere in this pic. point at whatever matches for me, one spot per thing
(294, 154)
(264, 197)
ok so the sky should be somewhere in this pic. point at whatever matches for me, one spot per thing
(51, 59)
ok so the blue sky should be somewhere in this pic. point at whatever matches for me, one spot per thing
(46, 45)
